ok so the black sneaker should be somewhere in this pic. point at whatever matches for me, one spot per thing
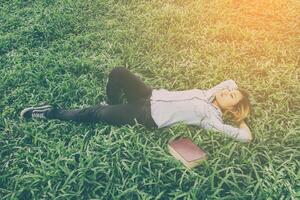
(35, 112)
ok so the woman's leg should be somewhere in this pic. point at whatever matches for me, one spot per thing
(120, 114)
(121, 79)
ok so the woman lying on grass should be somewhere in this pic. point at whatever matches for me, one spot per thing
(159, 107)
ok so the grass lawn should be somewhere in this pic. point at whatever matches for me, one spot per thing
(60, 53)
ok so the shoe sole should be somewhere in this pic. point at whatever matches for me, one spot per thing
(31, 108)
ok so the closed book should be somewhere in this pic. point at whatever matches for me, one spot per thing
(187, 152)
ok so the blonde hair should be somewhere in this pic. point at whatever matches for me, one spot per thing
(241, 110)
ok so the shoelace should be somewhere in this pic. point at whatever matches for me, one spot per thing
(103, 103)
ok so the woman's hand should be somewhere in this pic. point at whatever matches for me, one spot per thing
(244, 125)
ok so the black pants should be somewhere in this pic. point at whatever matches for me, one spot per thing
(138, 107)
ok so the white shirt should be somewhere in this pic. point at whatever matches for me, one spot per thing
(193, 107)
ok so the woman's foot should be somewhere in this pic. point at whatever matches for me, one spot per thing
(35, 112)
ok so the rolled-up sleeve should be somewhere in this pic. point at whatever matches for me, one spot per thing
(240, 134)
(228, 84)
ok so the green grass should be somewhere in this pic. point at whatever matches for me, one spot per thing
(60, 52)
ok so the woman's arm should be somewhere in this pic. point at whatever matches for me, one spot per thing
(241, 133)
(229, 84)
(244, 125)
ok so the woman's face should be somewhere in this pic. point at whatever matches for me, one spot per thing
(227, 99)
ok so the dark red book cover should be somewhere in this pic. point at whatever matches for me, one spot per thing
(187, 149)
